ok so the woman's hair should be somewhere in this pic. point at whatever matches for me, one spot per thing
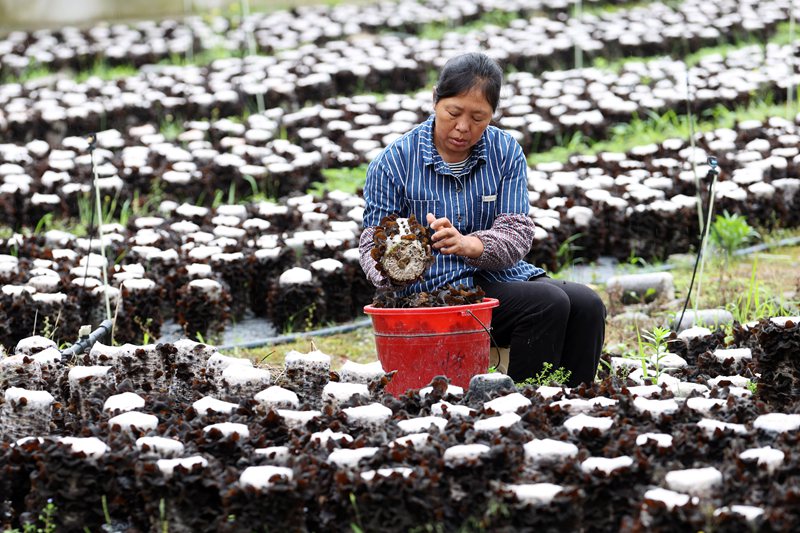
(470, 71)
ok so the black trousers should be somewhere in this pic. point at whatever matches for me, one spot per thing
(547, 320)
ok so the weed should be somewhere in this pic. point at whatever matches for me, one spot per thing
(253, 185)
(162, 513)
(652, 347)
(45, 524)
(44, 224)
(170, 128)
(48, 329)
(755, 302)
(107, 72)
(145, 327)
(106, 513)
(548, 376)
(232, 193)
(349, 180)
(309, 320)
(219, 196)
(729, 232)
(565, 255)
(357, 527)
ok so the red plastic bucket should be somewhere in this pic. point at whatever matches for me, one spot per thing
(424, 342)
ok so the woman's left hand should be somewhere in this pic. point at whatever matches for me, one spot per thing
(448, 240)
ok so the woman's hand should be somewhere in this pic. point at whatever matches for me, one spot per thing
(448, 240)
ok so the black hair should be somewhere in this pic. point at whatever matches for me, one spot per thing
(470, 71)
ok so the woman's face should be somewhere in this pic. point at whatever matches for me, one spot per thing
(459, 123)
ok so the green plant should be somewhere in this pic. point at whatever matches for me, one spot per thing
(548, 376)
(302, 320)
(254, 192)
(565, 255)
(144, 325)
(48, 329)
(106, 513)
(46, 522)
(44, 224)
(729, 232)
(652, 347)
(635, 261)
(752, 386)
(219, 196)
(162, 513)
(756, 302)
(232, 194)
(344, 179)
(170, 128)
(357, 527)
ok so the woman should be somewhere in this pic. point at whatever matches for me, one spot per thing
(468, 180)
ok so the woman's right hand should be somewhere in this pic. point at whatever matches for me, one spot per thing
(448, 240)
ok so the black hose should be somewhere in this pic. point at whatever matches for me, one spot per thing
(85, 343)
(712, 174)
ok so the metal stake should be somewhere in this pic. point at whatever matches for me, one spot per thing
(188, 9)
(578, 49)
(690, 118)
(790, 86)
(251, 46)
(99, 208)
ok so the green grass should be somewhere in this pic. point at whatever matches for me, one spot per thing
(781, 36)
(34, 71)
(437, 30)
(657, 128)
(103, 70)
(348, 180)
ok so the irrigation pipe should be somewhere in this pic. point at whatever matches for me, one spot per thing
(282, 339)
(712, 192)
(700, 258)
(87, 341)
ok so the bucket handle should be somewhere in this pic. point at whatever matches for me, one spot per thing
(486, 329)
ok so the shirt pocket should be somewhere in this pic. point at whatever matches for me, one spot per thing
(421, 208)
(487, 203)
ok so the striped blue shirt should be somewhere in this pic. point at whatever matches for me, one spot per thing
(410, 177)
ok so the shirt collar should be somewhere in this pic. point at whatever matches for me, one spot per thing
(430, 156)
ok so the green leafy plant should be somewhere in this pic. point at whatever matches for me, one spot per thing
(344, 179)
(46, 521)
(729, 232)
(548, 376)
(145, 325)
(652, 347)
(565, 255)
(170, 128)
(49, 330)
